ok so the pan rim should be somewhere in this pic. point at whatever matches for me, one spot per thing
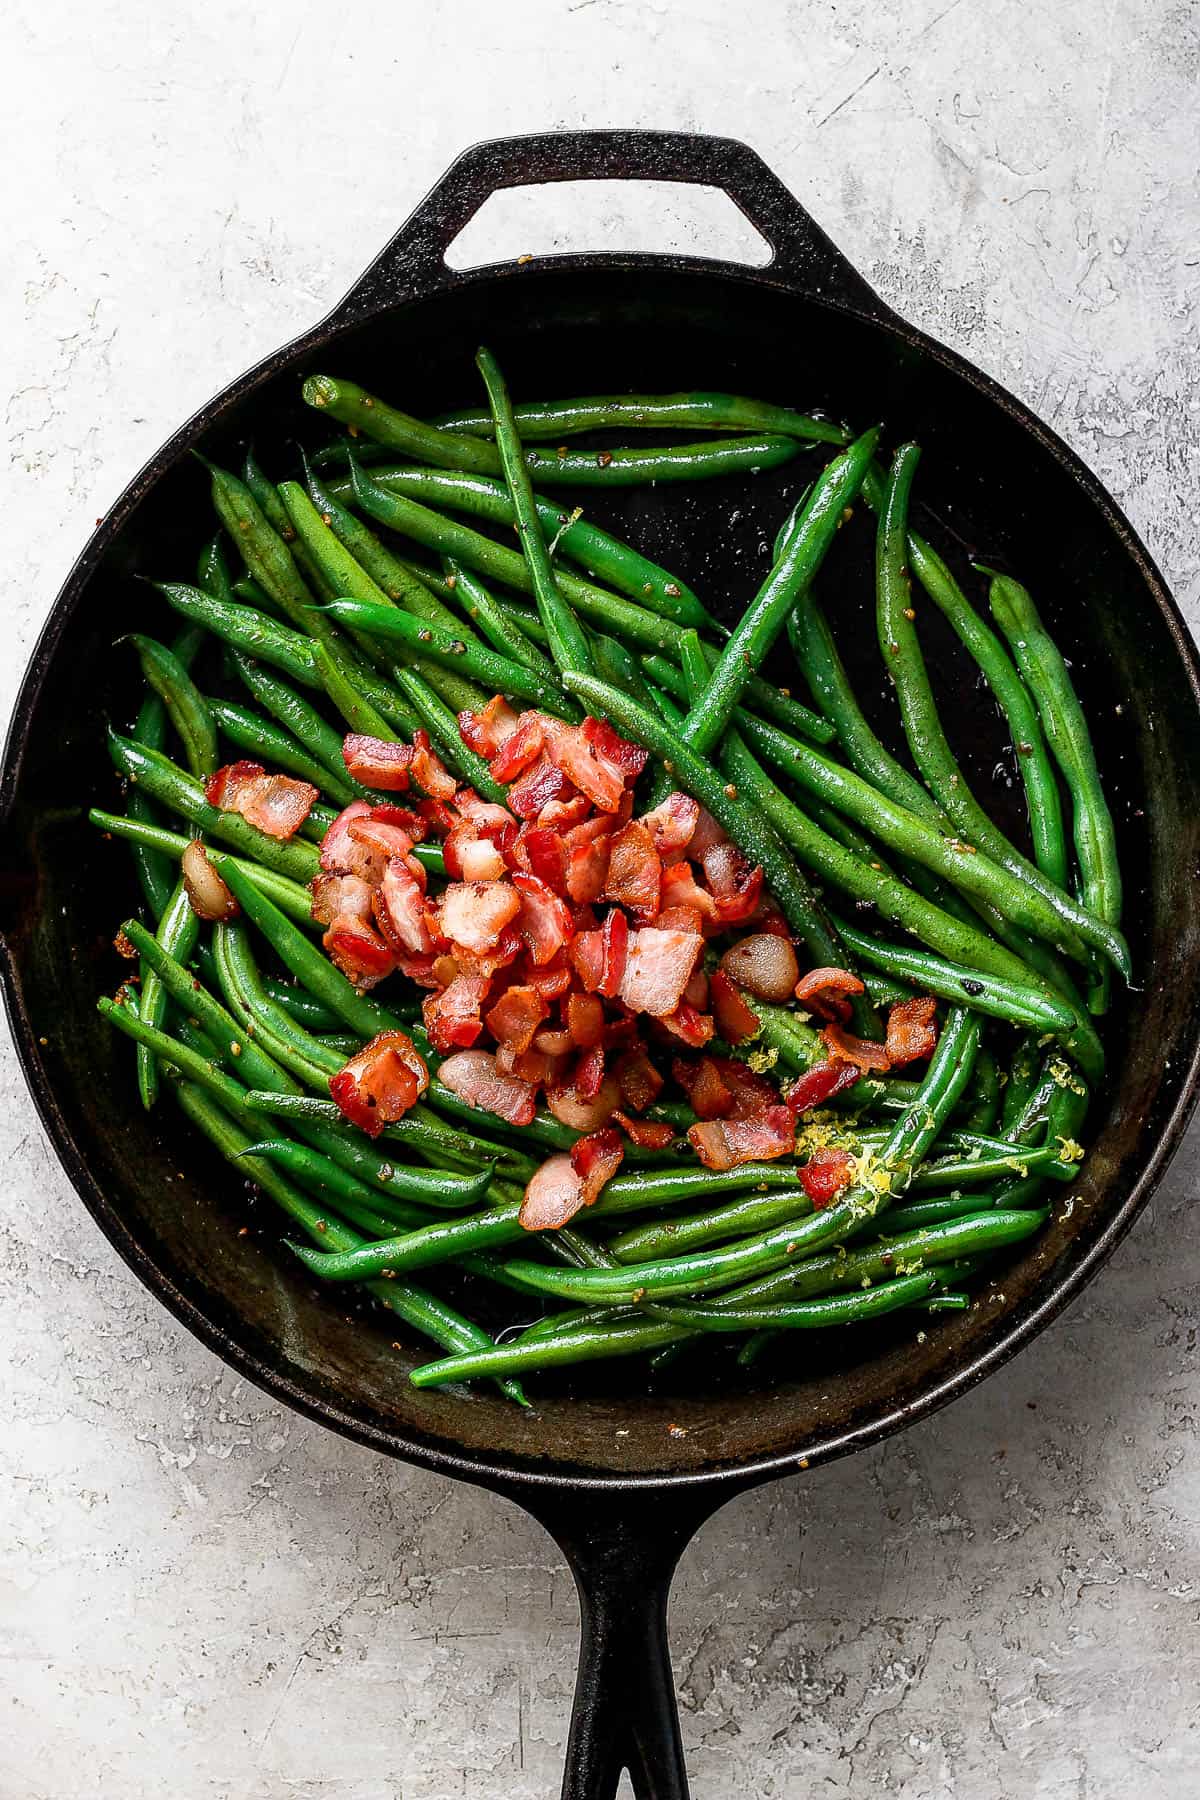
(1019, 1328)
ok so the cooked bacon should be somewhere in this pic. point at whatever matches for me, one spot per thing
(911, 1030)
(478, 859)
(521, 748)
(589, 1073)
(708, 1095)
(360, 953)
(348, 895)
(647, 1134)
(486, 730)
(553, 1042)
(382, 839)
(614, 948)
(564, 815)
(707, 834)
(638, 1079)
(570, 1107)
(825, 991)
(672, 824)
(585, 1020)
(734, 885)
(547, 859)
(724, 1143)
(588, 830)
(696, 991)
(736, 1017)
(599, 735)
(752, 1093)
(515, 1017)
(377, 762)
(543, 782)
(825, 1174)
(452, 1017)
(276, 804)
(680, 888)
(543, 920)
(586, 765)
(378, 1085)
(474, 1077)
(439, 818)
(843, 1046)
(680, 918)
(474, 913)
(492, 819)
(553, 980)
(207, 894)
(531, 1065)
(596, 1159)
(658, 966)
(765, 964)
(587, 870)
(553, 1197)
(400, 908)
(695, 1029)
(429, 771)
(634, 876)
(819, 1084)
(340, 854)
(586, 951)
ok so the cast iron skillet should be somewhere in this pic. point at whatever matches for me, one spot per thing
(621, 1478)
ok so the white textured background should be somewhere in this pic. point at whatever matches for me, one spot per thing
(204, 1597)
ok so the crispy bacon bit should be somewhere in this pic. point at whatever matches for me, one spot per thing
(825, 1174)
(276, 804)
(485, 731)
(552, 981)
(586, 951)
(736, 1018)
(564, 815)
(585, 1020)
(764, 964)
(521, 748)
(647, 1134)
(477, 858)
(340, 854)
(553, 1197)
(399, 906)
(429, 771)
(680, 918)
(685, 1022)
(515, 1017)
(544, 921)
(638, 1079)
(452, 1017)
(680, 888)
(911, 1030)
(546, 856)
(672, 824)
(843, 1046)
(824, 991)
(587, 870)
(658, 966)
(571, 1108)
(207, 894)
(589, 1073)
(707, 1093)
(474, 913)
(735, 886)
(724, 1143)
(474, 1077)
(543, 782)
(360, 953)
(614, 954)
(819, 1084)
(587, 766)
(707, 834)
(378, 1086)
(492, 819)
(634, 876)
(696, 991)
(596, 1159)
(604, 741)
(376, 762)
(752, 1093)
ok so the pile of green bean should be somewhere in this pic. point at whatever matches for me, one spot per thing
(382, 592)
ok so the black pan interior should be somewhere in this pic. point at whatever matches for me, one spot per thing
(996, 490)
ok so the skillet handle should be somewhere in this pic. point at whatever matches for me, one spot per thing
(623, 1553)
(414, 261)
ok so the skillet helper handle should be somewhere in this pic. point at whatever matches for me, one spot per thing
(414, 261)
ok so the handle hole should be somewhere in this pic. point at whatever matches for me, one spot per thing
(568, 217)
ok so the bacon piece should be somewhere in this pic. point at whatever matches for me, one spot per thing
(680, 918)
(724, 1143)
(734, 1014)
(596, 1159)
(843, 1046)
(486, 730)
(911, 1030)
(587, 870)
(492, 818)
(543, 782)
(570, 1108)
(553, 980)
(647, 1134)
(346, 895)
(696, 991)
(553, 1197)
(614, 946)
(588, 830)
(520, 749)
(429, 771)
(439, 817)
(752, 1093)
(707, 834)
(360, 953)
(585, 1020)
(658, 966)
(586, 765)
(819, 1084)
(638, 1079)
(685, 1022)
(672, 823)
(515, 1017)
(825, 1174)
(400, 907)
(599, 735)
(382, 839)
(478, 860)
(589, 1073)
(340, 854)
(564, 815)
(680, 888)
(825, 991)
(586, 951)
(734, 885)
(553, 1042)
(474, 1077)
(472, 914)
(377, 762)
(634, 876)
(708, 1095)
(276, 804)
(547, 858)
(452, 1017)
(543, 921)
(378, 1085)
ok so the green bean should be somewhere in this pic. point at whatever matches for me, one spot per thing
(177, 931)
(287, 894)
(556, 419)
(449, 537)
(157, 776)
(265, 554)
(247, 630)
(499, 674)
(434, 1318)
(773, 703)
(494, 622)
(365, 1208)
(1023, 1071)
(358, 712)
(287, 1044)
(348, 403)
(1043, 666)
(1077, 926)
(983, 1099)
(446, 738)
(306, 962)
(270, 504)
(249, 731)
(594, 550)
(740, 819)
(304, 723)
(568, 643)
(300, 1004)
(167, 1049)
(760, 624)
(420, 1129)
(186, 707)
(154, 875)
(212, 571)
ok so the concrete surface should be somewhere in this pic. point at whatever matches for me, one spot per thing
(205, 1597)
